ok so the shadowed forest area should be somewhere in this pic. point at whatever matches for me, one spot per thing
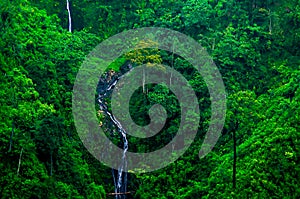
(254, 44)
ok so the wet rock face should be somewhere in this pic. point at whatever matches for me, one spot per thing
(105, 87)
(110, 78)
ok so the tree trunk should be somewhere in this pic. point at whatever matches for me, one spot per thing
(113, 194)
(234, 161)
(270, 22)
(234, 157)
(20, 159)
(51, 164)
(171, 75)
(144, 76)
(11, 136)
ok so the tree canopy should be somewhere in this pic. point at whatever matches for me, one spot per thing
(254, 44)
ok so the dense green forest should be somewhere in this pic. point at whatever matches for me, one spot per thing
(254, 44)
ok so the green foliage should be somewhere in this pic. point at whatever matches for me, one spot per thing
(254, 45)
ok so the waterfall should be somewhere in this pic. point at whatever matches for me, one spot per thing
(69, 13)
(104, 88)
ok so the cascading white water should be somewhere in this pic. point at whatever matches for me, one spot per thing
(69, 13)
(120, 181)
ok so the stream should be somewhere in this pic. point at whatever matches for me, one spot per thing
(104, 89)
